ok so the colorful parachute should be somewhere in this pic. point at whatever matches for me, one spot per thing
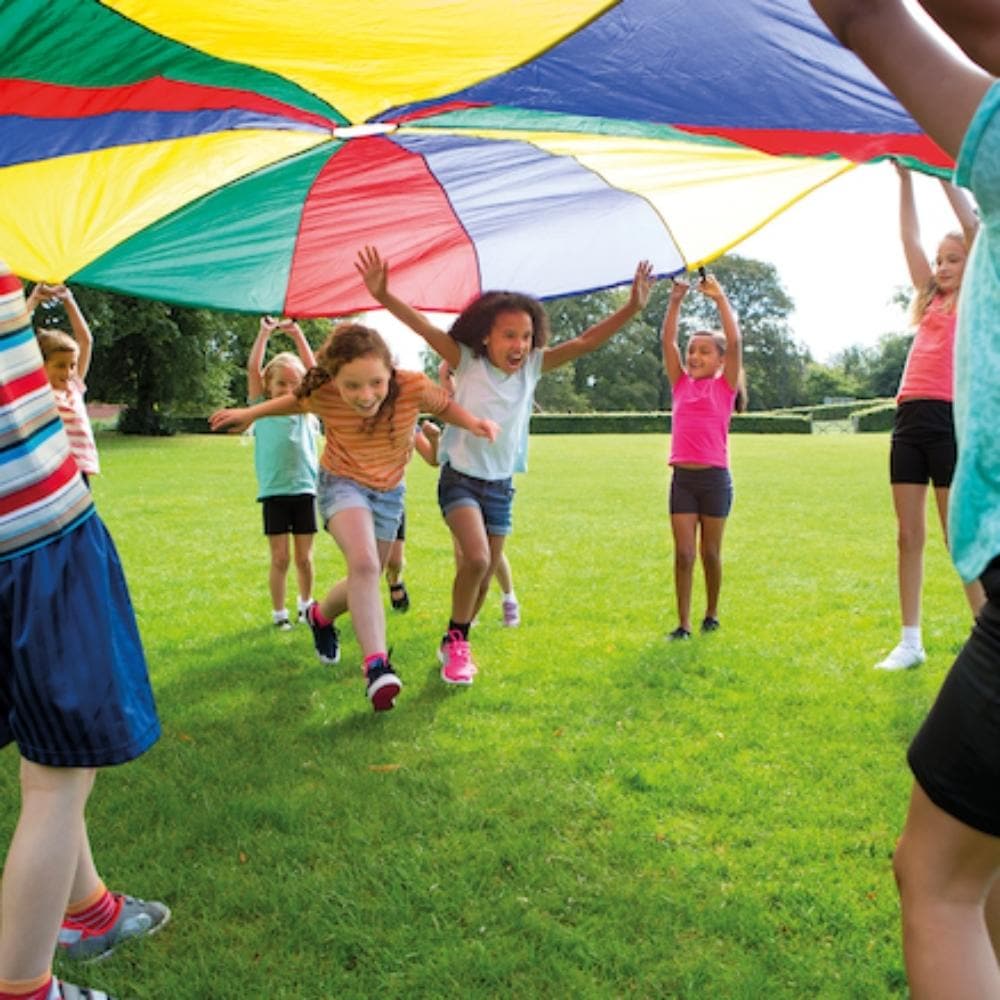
(237, 155)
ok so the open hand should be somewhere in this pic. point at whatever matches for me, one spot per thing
(374, 272)
(642, 284)
(234, 419)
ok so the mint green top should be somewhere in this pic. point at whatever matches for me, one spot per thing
(974, 505)
(285, 457)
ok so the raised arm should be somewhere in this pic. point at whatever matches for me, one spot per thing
(81, 330)
(673, 364)
(733, 364)
(255, 363)
(601, 332)
(909, 231)
(964, 212)
(972, 24)
(294, 331)
(374, 273)
(239, 418)
(939, 88)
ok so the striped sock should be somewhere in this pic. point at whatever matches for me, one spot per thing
(96, 912)
(30, 989)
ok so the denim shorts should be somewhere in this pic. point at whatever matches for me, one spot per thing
(337, 493)
(494, 497)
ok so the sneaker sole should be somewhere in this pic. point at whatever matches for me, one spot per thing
(463, 680)
(326, 659)
(382, 694)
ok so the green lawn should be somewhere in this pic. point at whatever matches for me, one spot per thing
(603, 814)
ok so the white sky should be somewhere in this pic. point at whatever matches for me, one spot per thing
(837, 253)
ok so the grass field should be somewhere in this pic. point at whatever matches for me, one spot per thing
(603, 814)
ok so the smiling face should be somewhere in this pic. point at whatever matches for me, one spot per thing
(704, 359)
(283, 379)
(363, 384)
(509, 340)
(949, 265)
(60, 367)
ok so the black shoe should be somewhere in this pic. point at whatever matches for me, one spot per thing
(398, 596)
(383, 685)
(679, 633)
(710, 624)
(326, 638)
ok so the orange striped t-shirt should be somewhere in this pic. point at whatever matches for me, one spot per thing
(374, 457)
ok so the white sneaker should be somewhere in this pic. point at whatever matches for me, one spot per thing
(902, 658)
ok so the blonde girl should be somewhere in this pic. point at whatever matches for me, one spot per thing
(369, 410)
(923, 449)
(285, 462)
(706, 385)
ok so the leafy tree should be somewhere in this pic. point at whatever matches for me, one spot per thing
(886, 364)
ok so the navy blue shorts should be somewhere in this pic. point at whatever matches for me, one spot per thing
(285, 515)
(706, 492)
(955, 757)
(74, 691)
(493, 497)
(923, 447)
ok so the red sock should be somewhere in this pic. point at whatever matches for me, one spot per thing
(97, 912)
(318, 617)
(369, 660)
(31, 989)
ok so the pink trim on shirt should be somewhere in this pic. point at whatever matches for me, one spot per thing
(930, 364)
(73, 412)
(699, 421)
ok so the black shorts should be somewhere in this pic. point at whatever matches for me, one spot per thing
(923, 445)
(708, 492)
(294, 514)
(955, 757)
(401, 531)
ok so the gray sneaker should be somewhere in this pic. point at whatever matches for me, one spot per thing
(135, 919)
(61, 990)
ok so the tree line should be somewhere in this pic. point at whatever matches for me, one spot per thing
(161, 360)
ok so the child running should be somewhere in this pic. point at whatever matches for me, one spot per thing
(286, 465)
(705, 392)
(67, 361)
(923, 436)
(369, 411)
(497, 352)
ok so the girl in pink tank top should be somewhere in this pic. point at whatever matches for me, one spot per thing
(707, 385)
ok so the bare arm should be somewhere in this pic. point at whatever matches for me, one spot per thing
(81, 330)
(909, 231)
(426, 442)
(964, 212)
(239, 418)
(936, 86)
(255, 363)
(673, 364)
(460, 417)
(601, 332)
(294, 331)
(733, 364)
(374, 272)
(973, 26)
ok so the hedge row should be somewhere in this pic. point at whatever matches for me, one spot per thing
(836, 411)
(875, 418)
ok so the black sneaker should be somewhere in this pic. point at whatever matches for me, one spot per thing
(383, 684)
(326, 638)
(679, 633)
(398, 597)
(710, 624)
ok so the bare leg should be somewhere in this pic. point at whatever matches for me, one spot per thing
(354, 532)
(394, 562)
(42, 865)
(505, 578)
(910, 501)
(685, 529)
(973, 591)
(711, 561)
(474, 558)
(945, 871)
(279, 569)
(496, 543)
(304, 564)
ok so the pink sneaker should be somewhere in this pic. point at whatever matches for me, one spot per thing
(511, 614)
(456, 658)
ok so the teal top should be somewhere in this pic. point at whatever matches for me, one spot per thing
(285, 457)
(974, 504)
